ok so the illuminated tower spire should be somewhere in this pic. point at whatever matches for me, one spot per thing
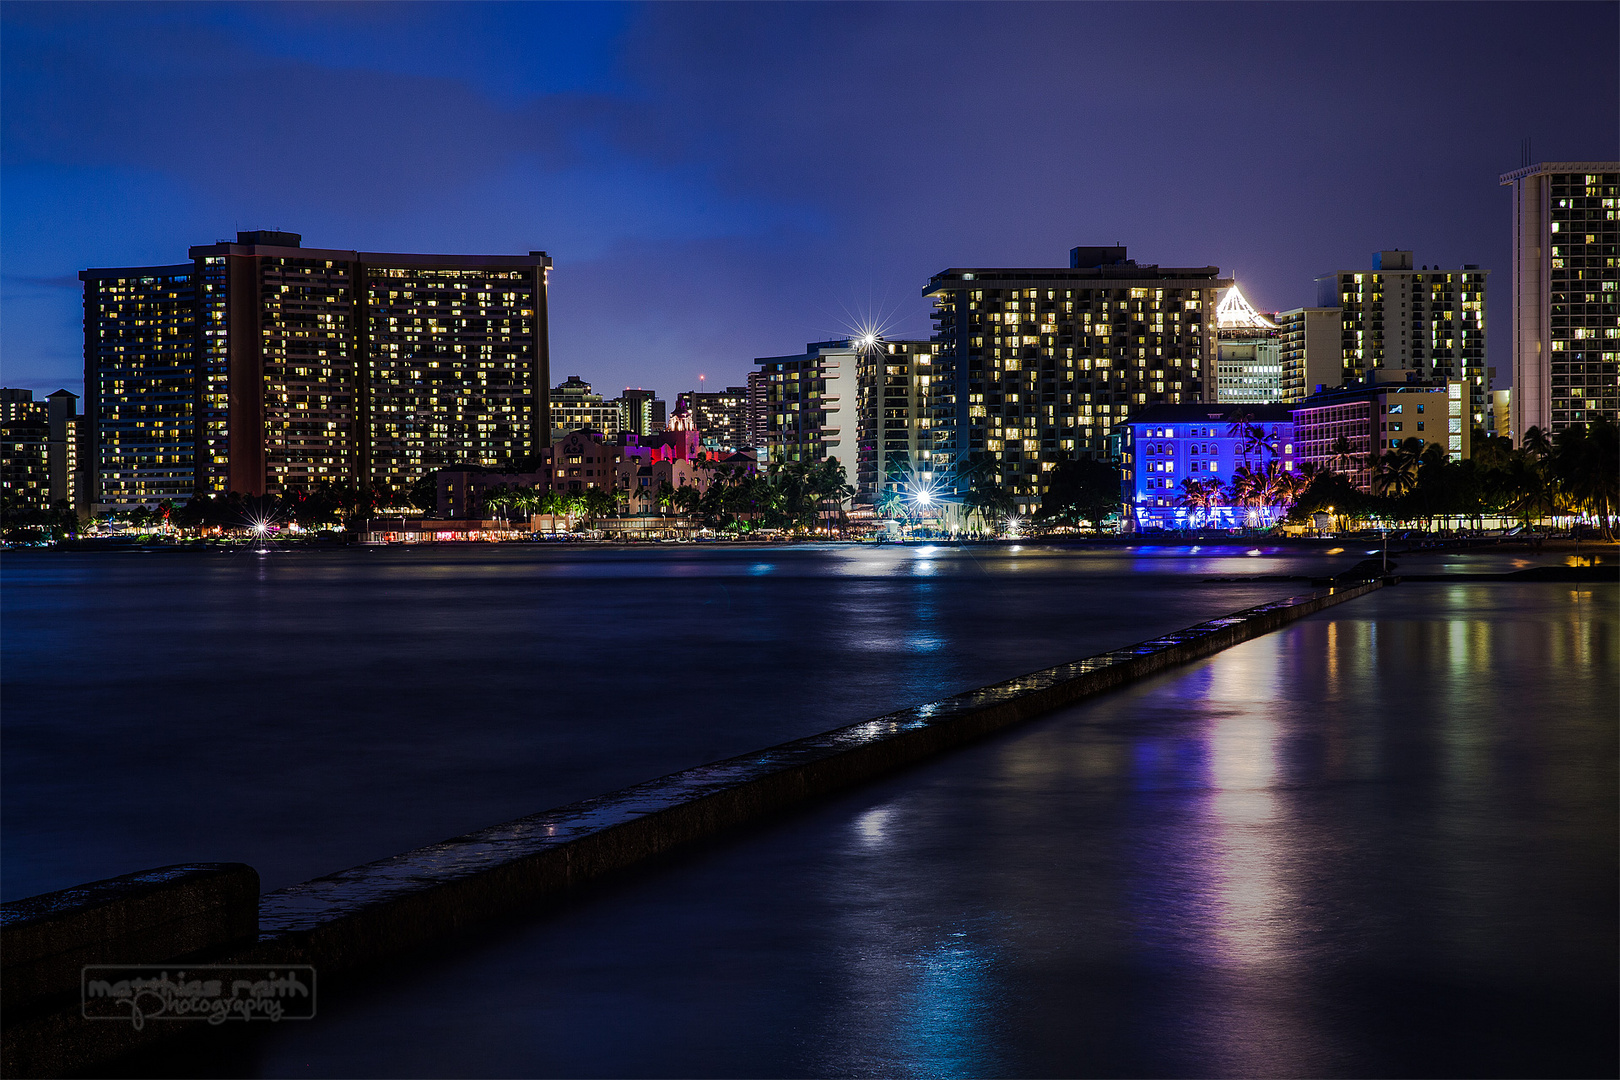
(1236, 313)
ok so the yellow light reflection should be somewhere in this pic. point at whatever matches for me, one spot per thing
(1249, 899)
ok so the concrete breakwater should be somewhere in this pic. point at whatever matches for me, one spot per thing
(348, 920)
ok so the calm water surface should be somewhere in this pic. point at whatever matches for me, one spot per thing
(308, 711)
(1380, 842)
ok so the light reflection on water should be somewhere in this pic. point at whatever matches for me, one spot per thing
(1322, 852)
(381, 699)
(952, 1009)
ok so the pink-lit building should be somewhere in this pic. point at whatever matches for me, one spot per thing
(632, 467)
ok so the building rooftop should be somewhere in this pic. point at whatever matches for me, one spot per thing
(1343, 394)
(952, 277)
(1210, 411)
(1560, 167)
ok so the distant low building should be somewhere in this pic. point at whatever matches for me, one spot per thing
(580, 461)
(405, 530)
(461, 488)
(639, 482)
(633, 469)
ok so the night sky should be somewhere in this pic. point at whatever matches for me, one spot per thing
(719, 182)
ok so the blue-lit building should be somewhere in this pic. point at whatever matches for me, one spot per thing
(1167, 445)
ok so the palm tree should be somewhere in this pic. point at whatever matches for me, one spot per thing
(555, 504)
(1255, 440)
(1200, 494)
(1238, 424)
(828, 484)
(1344, 458)
(1248, 490)
(688, 499)
(1396, 473)
(496, 500)
(991, 501)
(1584, 461)
(1282, 489)
(1535, 441)
(597, 502)
(1248, 486)
(1534, 491)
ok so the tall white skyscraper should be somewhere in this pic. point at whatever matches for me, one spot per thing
(1566, 285)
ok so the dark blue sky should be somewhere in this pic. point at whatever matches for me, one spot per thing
(719, 182)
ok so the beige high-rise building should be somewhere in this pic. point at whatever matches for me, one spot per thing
(807, 404)
(1312, 351)
(1566, 285)
(1501, 419)
(1402, 321)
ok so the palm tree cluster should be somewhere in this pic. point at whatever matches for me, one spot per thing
(326, 505)
(1263, 489)
(1574, 473)
(1084, 490)
(989, 503)
(22, 523)
(799, 496)
(506, 502)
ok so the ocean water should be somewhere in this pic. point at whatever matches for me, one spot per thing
(306, 711)
(1379, 842)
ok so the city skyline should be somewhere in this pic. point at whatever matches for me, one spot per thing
(694, 229)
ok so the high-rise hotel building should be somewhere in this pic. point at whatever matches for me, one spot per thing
(807, 405)
(894, 432)
(722, 418)
(262, 366)
(1312, 351)
(1398, 321)
(1039, 365)
(1566, 293)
